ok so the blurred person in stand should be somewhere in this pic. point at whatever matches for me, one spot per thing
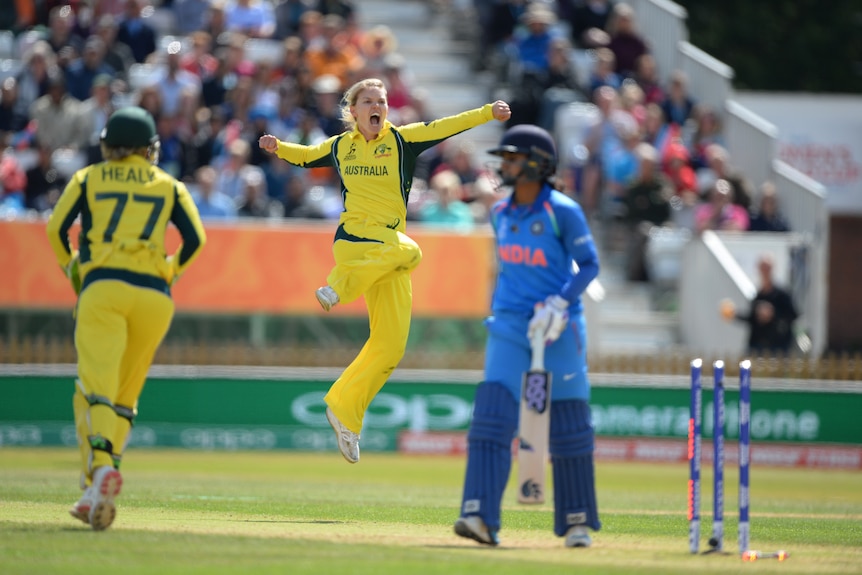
(291, 59)
(333, 56)
(657, 132)
(232, 172)
(136, 32)
(527, 49)
(254, 200)
(647, 77)
(33, 79)
(288, 15)
(626, 42)
(173, 152)
(444, 206)
(678, 105)
(61, 34)
(327, 95)
(632, 101)
(459, 156)
(379, 42)
(174, 82)
(373, 255)
(12, 119)
(211, 203)
(600, 138)
(603, 71)
(399, 83)
(81, 72)
(117, 55)
(719, 212)
(190, 16)
(95, 112)
(647, 202)
(13, 182)
(539, 93)
(215, 23)
(44, 181)
(58, 116)
(770, 315)
(707, 131)
(768, 216)
(150, 99)
(718, 160)
(297, 199)
(122, 277)
(254, 18)
(684, 181)
(200, 60)
(208, 140)
(214, 88)
(588, 21)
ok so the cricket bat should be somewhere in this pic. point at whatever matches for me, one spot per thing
(535, 422)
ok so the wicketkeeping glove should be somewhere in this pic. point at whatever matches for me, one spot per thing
(550, 318)
(73, 272)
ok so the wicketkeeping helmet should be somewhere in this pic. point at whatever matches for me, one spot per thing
(130, 127)
(534, 142)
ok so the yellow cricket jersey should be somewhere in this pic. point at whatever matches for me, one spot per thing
(125, 206)
(376, 176)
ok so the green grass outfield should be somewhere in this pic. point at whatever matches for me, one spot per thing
(291, 513)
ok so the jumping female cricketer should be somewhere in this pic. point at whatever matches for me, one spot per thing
(373, 255)
(123, 276)
(546, 259)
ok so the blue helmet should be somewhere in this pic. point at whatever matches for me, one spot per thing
(535, 143)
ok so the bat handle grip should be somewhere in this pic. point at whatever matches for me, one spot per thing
(537, 347)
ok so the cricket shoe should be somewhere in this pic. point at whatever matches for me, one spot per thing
(578, 536)
(107, 483)
(81, 509)
(348, 442)
(472, 527)
(327, 297)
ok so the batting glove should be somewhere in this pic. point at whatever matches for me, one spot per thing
(73, 272)
(550, 318)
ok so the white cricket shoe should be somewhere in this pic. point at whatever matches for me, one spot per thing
(327, 297)
(107, 483)
(578, 536)
(81, 509)
(473, 527)
(348, 442)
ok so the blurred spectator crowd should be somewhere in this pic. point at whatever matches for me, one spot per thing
(216, 75)
(640, 152)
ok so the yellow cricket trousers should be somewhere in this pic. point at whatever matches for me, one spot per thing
(374, 261)
(118, 329)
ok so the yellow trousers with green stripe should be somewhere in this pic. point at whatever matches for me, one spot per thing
(118, 330)
(374, 261)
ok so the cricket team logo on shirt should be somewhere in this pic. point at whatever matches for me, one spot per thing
(536, 228)
(382, 151)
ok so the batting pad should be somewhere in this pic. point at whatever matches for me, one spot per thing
(571, 447)
(489, 452)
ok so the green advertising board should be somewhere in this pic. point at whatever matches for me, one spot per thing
(284, 410)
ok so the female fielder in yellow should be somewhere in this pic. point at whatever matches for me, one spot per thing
(123, 277)
(373, 255)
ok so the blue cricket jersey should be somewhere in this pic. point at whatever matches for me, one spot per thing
(537, 246)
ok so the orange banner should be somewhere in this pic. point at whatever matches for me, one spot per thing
(262, 267)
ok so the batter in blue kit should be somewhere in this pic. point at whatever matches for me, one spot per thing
(546, 259)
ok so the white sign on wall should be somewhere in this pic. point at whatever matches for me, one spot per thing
(819, 135)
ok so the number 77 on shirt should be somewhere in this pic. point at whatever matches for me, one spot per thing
(534, 426)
